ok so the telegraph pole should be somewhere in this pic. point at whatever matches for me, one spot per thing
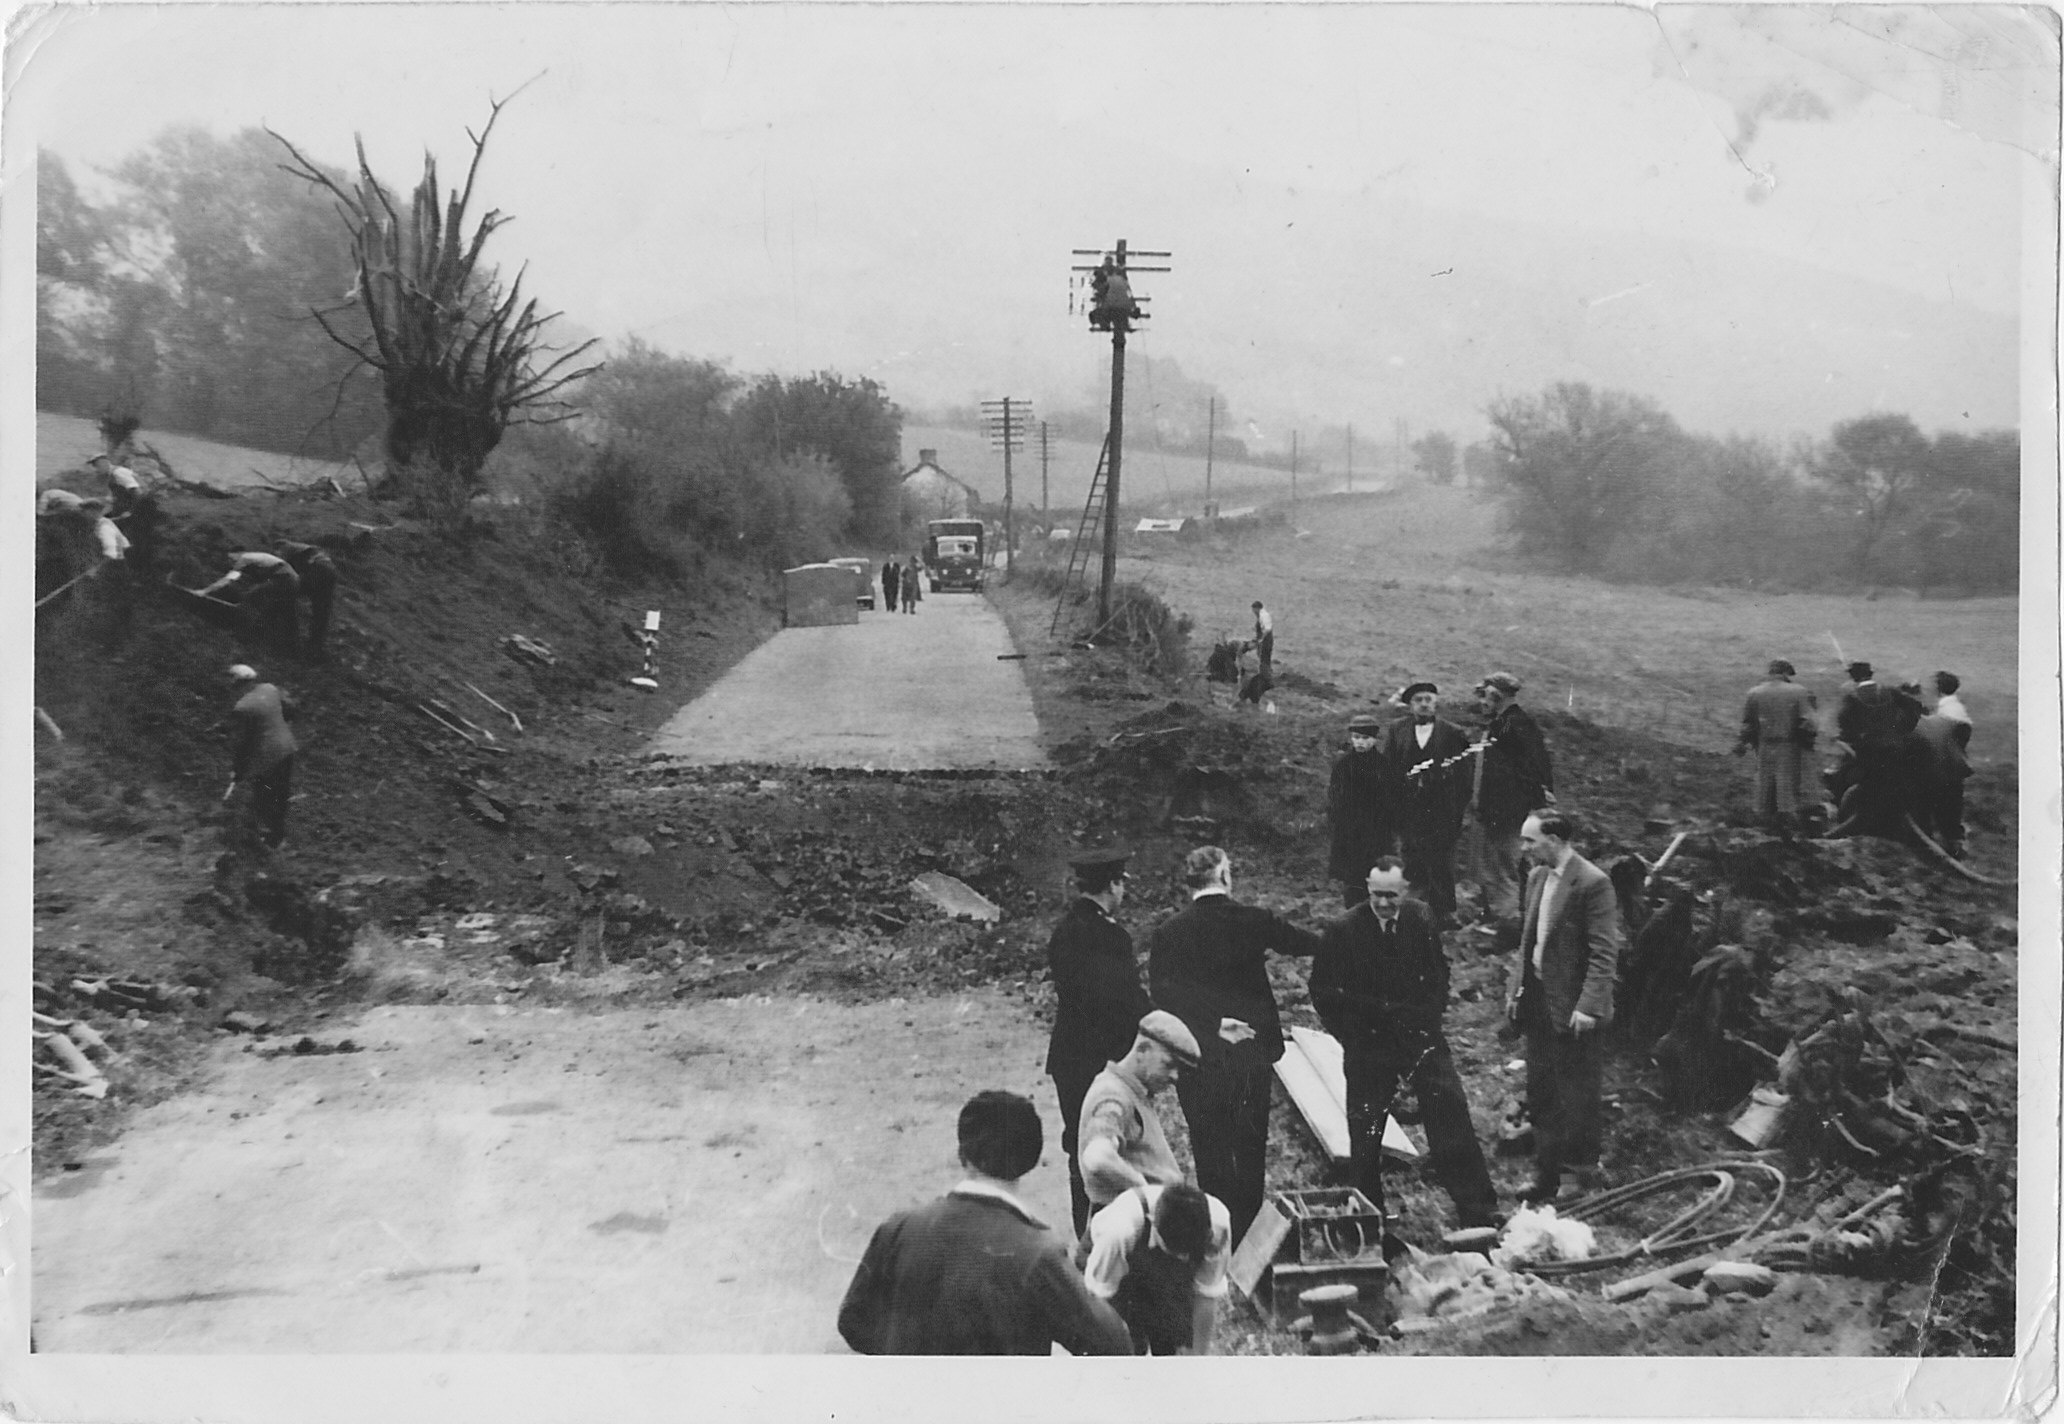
(1044, 451)
(1115, 309)
(1210, 439)
(1005, 419)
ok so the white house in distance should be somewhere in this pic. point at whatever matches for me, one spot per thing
(930, 493)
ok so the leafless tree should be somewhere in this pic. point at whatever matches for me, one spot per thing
(460, 358)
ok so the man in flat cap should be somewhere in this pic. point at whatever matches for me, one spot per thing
(1208, 965)
(975, 1272)
(1380, 985)
(1429, 762)
(1101, 1000)
(1513, 777)
(1123, 1143)
(1777, 721)
(1361, 807)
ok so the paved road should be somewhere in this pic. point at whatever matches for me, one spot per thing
(491, 1179)
(894, 692)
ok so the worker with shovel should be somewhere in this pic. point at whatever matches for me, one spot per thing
(265, 588)
(265, 750)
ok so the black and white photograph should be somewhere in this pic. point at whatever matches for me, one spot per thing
(719, 688)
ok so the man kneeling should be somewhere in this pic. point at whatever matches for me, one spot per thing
(1158, 1254)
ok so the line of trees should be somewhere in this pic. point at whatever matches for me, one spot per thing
(1607, 483)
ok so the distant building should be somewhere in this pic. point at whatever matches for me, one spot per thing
(931, 493)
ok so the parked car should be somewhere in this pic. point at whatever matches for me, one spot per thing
(863, 569)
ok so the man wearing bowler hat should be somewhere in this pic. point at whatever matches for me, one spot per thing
(1101, 1000)
(1361, 807)
(1428, 760)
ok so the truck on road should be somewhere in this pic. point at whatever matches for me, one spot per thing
(954, 550)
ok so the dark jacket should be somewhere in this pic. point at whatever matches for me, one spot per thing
(1431, 802)
(1380, 997)
(972, 1275)
(1583, 953)
(1210, 962)
(1517, 775)
(263, 739)
(1875, 719)
(1361, 812)
(1097, 980)
(1942, 749)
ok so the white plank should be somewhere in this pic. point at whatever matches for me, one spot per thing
(1313, 1063)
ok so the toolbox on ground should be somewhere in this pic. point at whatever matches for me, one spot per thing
(1321, 1237)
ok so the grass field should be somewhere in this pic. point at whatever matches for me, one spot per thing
(1371, 591)
(65, 442)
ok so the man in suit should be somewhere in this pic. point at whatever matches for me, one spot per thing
(1101, 1000)
(1380, 985)
(890, 573)
(1777, 720)
(975, 1272)
(1562, 997)
(1428, 760)
(1875, 722)
(1513, 777)
(1361, 808)
(1208, 965)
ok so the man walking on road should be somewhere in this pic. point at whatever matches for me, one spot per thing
(1777, 720)
(1428, 759)
(888, 585)
(265, 750)
(1208, 965)
(1361, 808)
(975, 1272)
(908, 581)
(1096, 980)
(1513, 777)
(1380, 985)
(1562, 997)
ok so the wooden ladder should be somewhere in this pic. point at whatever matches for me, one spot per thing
(1088, 536)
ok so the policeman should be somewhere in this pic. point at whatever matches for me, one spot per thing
(1097, 981)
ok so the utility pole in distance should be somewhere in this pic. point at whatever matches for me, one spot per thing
(1005, 420)
(1044, 450)
(1114, 308)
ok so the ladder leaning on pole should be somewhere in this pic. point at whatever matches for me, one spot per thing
(1088, 536)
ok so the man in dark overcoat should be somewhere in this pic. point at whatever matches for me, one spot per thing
(1561, 995)
(1208, 965)
(1777, 721)
(1096, 980)
(1380, 985)
(1876, 723)
(975, 1272)
(1514, 777)
(1361, 808)
(1428, 758)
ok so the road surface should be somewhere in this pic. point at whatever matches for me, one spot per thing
(895, 692)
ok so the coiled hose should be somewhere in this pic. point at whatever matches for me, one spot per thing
(1673, 1235)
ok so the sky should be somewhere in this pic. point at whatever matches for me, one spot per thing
(894, 190)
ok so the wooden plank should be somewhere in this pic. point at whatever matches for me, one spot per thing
(1258, 1249)
(1314, 1072)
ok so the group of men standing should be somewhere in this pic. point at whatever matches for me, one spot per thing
(904, 580)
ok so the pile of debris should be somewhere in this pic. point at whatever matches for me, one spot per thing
(77, 1050)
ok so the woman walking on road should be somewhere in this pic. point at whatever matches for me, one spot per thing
(912, 595)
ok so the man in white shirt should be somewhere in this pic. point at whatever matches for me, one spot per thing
(1158, 1254)
(1264, 643)
(1562, 996)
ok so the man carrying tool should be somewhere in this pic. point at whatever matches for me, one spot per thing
(975, 1272)
(1777, 721)
(1123, 1144)
(1428, 759)
(1361, 808)
(1159, 1255)
(318, 579)
(265, 749)
(1208, 965)
(266, 588)
(1096, 980)
(1512, 777)
(1380, 985)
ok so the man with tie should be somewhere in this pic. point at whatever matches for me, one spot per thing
(1562, 997)
(1428, 760)
(1380, 985)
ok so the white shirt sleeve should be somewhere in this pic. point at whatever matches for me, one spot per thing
(1111, 1234)
(1211, 1275)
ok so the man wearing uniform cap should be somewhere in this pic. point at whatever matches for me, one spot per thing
(1513, 778)
(1101, 1000)
(1428, 759)
(1123, 1143)
(1361, 807)
(1777, 720)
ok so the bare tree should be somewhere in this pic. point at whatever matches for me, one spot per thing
(460, 359)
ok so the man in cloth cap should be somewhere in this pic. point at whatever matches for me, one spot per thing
(1361, 807)
(975, 1272)
(1123, 1143)
(1208, 965)
(1380, 985)
(1428, 760)
(1513, 777)
(1096, 979)
(1777, 721)
(265, 749)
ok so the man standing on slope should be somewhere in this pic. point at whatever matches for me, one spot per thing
(1428, 759)
(1513, 777)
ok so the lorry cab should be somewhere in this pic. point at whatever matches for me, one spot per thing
(954, 554)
